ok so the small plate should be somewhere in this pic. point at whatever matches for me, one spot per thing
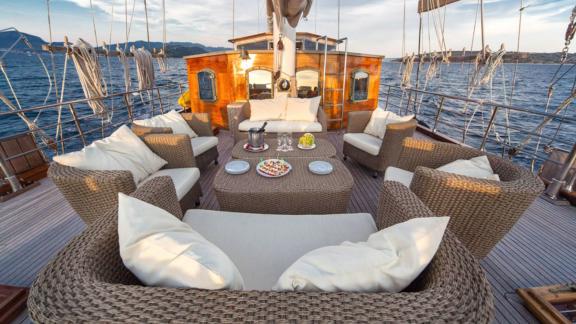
(320, 167)
(268, 175)
(302, 147)
(249, 148)
(237, 167)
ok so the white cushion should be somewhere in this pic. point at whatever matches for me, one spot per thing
(478, 167)
(367, 143)
(380, 118)
(122, 150)
(268, 109)
(263, 246)
(388, 261)
(278, 126)
(184, 179)
(305, 109)
(396, 174)
(163, 251)
(202, 144)
(171, 119)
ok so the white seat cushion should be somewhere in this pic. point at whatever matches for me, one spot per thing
(396, 174)
(184, 179)
(162, 251)
(202, 144)
(380, 118)
(122, 150)
(365, 142)
(268, 109)
(278, 126)
(263, 246)
(171, 119)
(388, 261)
(304, 109)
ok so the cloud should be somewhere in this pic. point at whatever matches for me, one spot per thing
(372, 26)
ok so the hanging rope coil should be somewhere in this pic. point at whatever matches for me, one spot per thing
(408, 63)
(90, 75)
(144, 68)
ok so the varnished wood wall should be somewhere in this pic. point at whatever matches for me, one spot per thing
(231, 80)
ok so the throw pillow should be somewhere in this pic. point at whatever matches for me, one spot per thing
(171, 119)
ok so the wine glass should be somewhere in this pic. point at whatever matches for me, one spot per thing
(289, 142)
(279, 138)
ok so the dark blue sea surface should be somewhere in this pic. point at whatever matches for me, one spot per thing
(530, 92)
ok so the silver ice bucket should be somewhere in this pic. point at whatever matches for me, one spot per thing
(255, 137)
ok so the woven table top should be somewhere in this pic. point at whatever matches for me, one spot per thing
(324, 149)
(300, 179)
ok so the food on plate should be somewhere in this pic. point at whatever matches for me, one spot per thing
(273, 167)
(306, 140)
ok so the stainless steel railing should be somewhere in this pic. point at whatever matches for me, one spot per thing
(78, 124)
(486, 125)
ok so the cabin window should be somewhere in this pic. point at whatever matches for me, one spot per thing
(307, 82)
(207, 85)
(259, 84)
(359, 86)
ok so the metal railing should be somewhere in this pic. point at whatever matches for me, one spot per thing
(77, 123)
(486, 125)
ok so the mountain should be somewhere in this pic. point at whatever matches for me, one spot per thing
(509, 57)
(174, 49)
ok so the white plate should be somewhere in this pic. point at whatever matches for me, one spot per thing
(272, 176)
(320, 167)
(251, 150)
(237, 167)
(302, 147)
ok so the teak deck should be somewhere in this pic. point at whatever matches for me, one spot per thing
(539, 250)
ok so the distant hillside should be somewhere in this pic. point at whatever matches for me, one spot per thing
(174, 49)
(511, 57)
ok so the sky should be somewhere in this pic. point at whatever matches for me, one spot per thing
(372, 26)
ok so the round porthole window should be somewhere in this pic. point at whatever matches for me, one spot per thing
(284, 85)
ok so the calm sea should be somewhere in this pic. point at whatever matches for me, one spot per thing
(31, 86)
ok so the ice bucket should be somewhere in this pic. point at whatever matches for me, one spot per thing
(255, 137)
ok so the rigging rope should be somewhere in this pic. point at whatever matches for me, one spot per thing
(144, 68)
(408, 62)
(90, 75)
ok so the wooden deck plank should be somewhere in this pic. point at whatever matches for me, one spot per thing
(539, 250)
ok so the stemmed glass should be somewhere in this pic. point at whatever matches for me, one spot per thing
(289, 142)
(281, 142)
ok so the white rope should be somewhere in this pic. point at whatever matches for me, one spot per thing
(161, 58)
(90, 75)
(126, 68)
(144, 68)
(408, 62)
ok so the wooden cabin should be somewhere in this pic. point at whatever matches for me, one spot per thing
(220, 78)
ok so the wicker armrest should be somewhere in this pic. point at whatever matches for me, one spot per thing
(145, 130)
(236, 115)
(357, 121)
(91, 192)
(176, 149)
(321, 118)
(398, 204)
(431, 154)
(199, 122)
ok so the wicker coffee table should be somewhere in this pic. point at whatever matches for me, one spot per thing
(324, 149)
(298, 192)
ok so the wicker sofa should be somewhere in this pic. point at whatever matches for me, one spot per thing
(92, 192)
(239, 122)
(481, 211)
(389, 149)
(204, 147)
(87, 282)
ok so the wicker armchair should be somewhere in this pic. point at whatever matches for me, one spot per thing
(481, 211)
(201, 125)
(93, 192)
(389, 149)
(87, 282)
(237, 115)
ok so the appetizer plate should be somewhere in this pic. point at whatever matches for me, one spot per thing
(237, 167)
(249, 148)
(273, 168)
(302, 147)
(320, 167)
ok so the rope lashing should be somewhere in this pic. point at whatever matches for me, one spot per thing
(90, 75)
(408, 62)
(144, 68)
(569, 35)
